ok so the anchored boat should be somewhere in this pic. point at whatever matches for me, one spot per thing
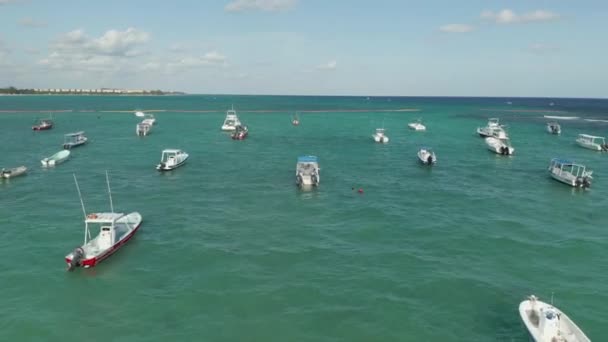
(500, 146)
(379, 136)
(43, 125)
(72, 140)
(171, 159)
(231, 120)
(240, 133)
(493, 129)
(417, 126)
(143, 129)
(546, 323)
(307, 171)
(115, 230)
(568, 172)
(592, 142)
(427, 156)
(56, 158)
(554, 128)
(295, 120)
(14, 172)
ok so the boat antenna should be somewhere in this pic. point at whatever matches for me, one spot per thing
(84, 211)
(109, 192)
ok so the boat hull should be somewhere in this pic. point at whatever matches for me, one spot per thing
(163, 168)
(594, 147)
(55, 159)
(93, 261)
(380, 139)
(42, 127)
(15, 172)
(530, 314)
(498, 147)
(69, 146)
(417, 127)
(426, 158)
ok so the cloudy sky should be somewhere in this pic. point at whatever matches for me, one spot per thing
(329, 47)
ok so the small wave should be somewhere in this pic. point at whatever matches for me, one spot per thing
(561, 117)
(595, 120)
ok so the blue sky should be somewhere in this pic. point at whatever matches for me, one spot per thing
(553, 48)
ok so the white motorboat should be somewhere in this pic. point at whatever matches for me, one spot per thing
(499, 146)
(56, 158)
(171, 159)
(554, 128)
(115, 229)
(417, 126)
(72, 140)
(427, 156)
(546, 323)
(14, 172)
(295, 120)
(148, 117)
(307, 171)
(568, 172)
(379, 136)
(143, 129)
(493, 129)
(592, 142)
(231, 120)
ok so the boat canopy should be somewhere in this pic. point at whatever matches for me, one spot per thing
(170, 150)
(104, 217)
(307, 159)
(562, 161)
(590, 137)
(74, 134)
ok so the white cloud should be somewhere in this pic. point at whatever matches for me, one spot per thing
(331, 65)
(30, 22)
(210, 59)
(261, 5)
(507, 16)
(456, 28)
(111, 43)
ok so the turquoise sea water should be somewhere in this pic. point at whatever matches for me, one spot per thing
(231, 250)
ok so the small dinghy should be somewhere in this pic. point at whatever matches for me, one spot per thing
(171, 159)
(295, 120)
(307, 171)
(427, 156)
(499, 146)
(14, 172)
(379, 136)
(115, 230)
(554, 128)
(570, 173)
(56, 158)
(592, 142)
(240, 133)
(546, 323)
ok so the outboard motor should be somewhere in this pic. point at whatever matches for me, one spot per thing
(314, 180)
(429, 160)
(586, 182)
(299, 179)
(77, 256)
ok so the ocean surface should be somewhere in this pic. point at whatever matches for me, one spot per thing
(231, 250)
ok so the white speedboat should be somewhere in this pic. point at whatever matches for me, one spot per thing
(115, 229)
(417, 126)
(72, 140)
(592, 142)
(143, 129)
(148, 117)
(56, 158)
(14, 172)
(493, 129)
(295, 120)
(554, 128)
(499, 146)
(231, 121)
(570, 173)
(307, 171)
(171, 159)
(427, 156)
(546, 323)
(379, 136)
